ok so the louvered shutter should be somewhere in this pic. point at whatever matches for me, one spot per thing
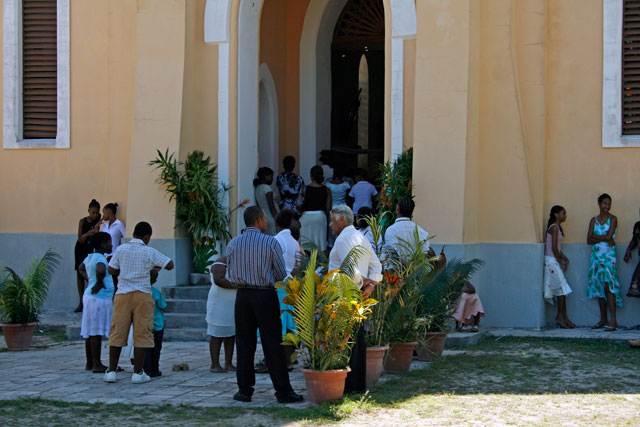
(39, 72)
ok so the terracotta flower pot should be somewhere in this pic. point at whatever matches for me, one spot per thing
(400, 357)
(375, 358)
(432, 347)
(324, 386)
(18, 337)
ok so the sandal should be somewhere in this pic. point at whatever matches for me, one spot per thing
(598, 325)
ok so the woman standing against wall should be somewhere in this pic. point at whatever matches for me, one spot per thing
(555, 264)
(603, 273)
(87, 227)
(264, 197)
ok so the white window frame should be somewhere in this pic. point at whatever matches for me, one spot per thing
(12, 79)
(612, 78)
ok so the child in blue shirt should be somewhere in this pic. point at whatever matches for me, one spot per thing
(97, 300)
(152, 360)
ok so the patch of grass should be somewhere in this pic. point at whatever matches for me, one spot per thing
(529, 376)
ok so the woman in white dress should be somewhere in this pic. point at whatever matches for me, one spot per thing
(555, 264)
(221, 325)
(315, 207)
(264, 198)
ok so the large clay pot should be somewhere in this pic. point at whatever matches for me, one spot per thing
(375, 358)
(432, 347)
(18, 337)
(400, 357)
(324, 386)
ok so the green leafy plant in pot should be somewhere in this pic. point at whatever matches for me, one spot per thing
(327, 312)
(22, 297)
(200, 202)
(440, 291)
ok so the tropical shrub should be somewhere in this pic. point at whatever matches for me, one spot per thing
(327, 311)
(200, 199)
(395, 183)
(21, 298)
(203, 254)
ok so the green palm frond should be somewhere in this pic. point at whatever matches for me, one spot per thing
(304, 309)
(350, 262)
(346, 289)
(22, 298)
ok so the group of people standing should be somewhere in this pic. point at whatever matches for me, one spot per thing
(119, 301)
(603, 281)
(311, 203)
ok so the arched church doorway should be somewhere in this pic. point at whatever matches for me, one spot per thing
(357, 86)
(267, 120)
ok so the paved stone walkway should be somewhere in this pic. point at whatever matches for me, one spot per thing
(57, 373)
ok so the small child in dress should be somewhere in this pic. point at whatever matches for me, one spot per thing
(469, 310)
(152, 360)
(97, 301)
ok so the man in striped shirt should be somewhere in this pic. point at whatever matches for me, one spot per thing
(255, 264)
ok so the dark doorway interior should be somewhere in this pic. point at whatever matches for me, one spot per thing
(357, 92)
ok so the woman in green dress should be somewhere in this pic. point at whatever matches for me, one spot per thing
(603, 273)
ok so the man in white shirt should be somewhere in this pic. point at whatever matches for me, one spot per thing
(290, 247)
(133, 302)
(401, 236)
(368, 271)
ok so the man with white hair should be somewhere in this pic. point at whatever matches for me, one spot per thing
(368, 271)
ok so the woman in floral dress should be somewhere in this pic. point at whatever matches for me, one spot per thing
(603, 273)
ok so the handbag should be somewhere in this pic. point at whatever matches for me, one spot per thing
(634, 289)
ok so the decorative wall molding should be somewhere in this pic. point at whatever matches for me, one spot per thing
(12, 80)
(612, 78)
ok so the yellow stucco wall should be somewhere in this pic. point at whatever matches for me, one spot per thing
(47, 191)
(199, 126)
(578, 169)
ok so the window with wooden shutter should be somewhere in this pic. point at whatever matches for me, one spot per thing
(631, 68)
(39, 69)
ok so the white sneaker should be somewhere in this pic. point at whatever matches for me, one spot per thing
(140, 378)
(109, 377)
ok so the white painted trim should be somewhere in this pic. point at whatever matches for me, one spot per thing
(248, 55)
(12, 80)
(397, 96)
(266, 78)
(403, 24)
(223, 113)
(612, 78)
(216, 21)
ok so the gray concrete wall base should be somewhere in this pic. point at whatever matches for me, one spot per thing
(510, 284)
(19, 250)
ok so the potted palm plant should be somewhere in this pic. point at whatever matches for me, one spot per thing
(327, 310)
(439, 294)
(21, 298)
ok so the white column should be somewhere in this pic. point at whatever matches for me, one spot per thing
(397, 95)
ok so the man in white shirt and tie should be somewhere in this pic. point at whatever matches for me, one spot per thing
(368, 271)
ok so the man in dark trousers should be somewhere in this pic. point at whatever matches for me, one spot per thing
(255, 264)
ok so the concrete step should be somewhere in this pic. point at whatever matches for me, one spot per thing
(185, 320)
(186, 292)
(191, 306)
(464, 339)
(185, 334)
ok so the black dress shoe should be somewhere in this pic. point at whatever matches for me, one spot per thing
(241, 397)
(154, 374)
(290, 398)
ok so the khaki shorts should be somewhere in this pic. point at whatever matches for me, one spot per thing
(137, 308)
